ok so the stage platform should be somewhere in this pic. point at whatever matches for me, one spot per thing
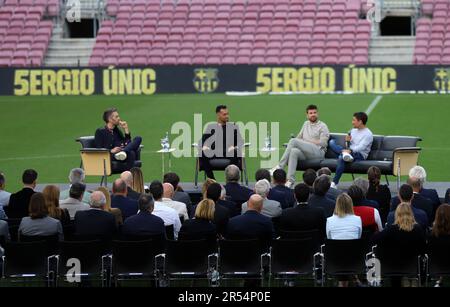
(195, 192)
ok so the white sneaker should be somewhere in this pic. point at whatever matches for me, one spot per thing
(333, 185)
(289, 184)
(347, 157)
(273, 169)
(121, 156)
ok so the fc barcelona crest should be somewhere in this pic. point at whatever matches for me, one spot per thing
(206, 79)
(442, 79)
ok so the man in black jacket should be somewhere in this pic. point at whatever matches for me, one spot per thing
(220, 140)
(118, 141)
(95, 223)
(279, 181)
(20, 201)
(303, 217)
(319, 199)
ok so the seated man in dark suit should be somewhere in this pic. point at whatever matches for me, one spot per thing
(418, 201)
(363, 184)
(276, 195)
(144, 223)
(279, 181)
(95, 223)
(406, 195)
(127, 177)
(19, 201)
(319, 199)
(332, 193)
(118, 141)
(309, 176)
(303, 216)
(235, 192)
(127, 206)
(252, 224)
(420, 174)
(221, 213)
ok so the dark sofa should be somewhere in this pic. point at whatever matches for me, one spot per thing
(385, 150)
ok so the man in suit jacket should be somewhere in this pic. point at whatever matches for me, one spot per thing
(74, 202)
(274, 194)
(318, 199)
(221, 214)
(279, 181)
(235, 192)
(251, 224)
(419, 173)
(271, 208)
(332, 193)
(121, 147)
(407, 195)
(179, 195)
(95, 222)
(144, 223)
(303, 216)
(19, 201)
(127, 206)
(127, 177)
(418, 201)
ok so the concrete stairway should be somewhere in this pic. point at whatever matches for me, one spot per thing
(69, 51)
(391, 50)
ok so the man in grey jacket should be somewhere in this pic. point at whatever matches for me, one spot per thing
(271, 208)
(310, 143)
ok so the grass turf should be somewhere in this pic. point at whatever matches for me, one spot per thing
(39, 132)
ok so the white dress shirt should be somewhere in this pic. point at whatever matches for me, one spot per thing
(178, 206)
(168, 215)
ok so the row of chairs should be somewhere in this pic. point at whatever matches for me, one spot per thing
(84, 261)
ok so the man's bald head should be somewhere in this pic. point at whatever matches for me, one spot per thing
(97, 200)
(255, 203)
(168, 190)
(119, 187)
(127, 176)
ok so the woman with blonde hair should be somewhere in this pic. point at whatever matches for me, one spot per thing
(344, 224)
(115, 211)
(202, 226)
(51, 196)
(404, 238)
(138, 180)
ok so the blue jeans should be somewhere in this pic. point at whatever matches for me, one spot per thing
(341, 163)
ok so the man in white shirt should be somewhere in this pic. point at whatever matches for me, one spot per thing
(360, 141)
(75, 201)
(167, 214)
(167, 200)
(310, 143)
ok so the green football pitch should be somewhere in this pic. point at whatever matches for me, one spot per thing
(40, 132)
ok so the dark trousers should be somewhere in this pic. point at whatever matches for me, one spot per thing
(341, 163)
(206, 165)
(132, 149)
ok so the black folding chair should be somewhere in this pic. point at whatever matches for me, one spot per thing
(13, 226)
(169, 232)
(23, 260)
(437, 258)
(343, 258)
(88, 254)
(187, 259)
(313, 234)
(291, 258)
(211, 239)
(133, 260)
(398, 261)
(241, 259)
(51, 241)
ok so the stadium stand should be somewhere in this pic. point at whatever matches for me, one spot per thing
(24, 31)
(232, 32)
(432, 37)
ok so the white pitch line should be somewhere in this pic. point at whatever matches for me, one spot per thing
(373, 104)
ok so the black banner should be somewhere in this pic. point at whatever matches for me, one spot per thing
(208, 79)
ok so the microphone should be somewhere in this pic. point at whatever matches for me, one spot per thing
(347, 143)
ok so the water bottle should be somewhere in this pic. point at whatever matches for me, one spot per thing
(166, 142)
